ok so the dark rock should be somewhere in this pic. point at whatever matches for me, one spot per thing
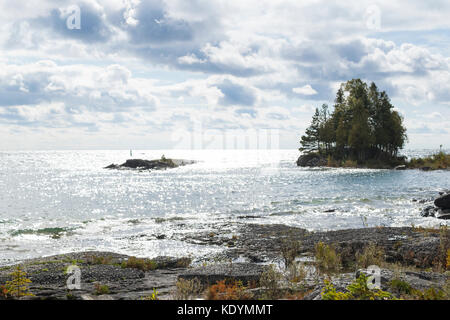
(443, 214)
(49, 278)
(246, 272)
(443, 201)
(401, 167)
(311, 160)
(112, 166)
(425, 168)
(148, 164)
(330, 211)
(158, 164)
(428, 212)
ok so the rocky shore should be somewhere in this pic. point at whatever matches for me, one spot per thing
(441, 208)
(411, 255)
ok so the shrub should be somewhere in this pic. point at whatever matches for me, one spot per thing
(350, 164)
(448, 260)
(331, 162)
(153, 296)
(441, 261)
(371, 255)
(297, 272)
(430, 294)
(326, 258)
(228, 290)
(357, 290)
(289, 251)
(184, 262)
(437, 161)
(141, 264)
(270, 281)
(98, 260)
(19, 285)
(186, 289)
(401, 287)
(100, 289)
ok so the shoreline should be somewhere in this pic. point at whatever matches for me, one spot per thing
(414, 252)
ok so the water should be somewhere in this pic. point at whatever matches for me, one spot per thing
(55, 202)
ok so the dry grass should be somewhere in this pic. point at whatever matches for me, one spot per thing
(327, 260)
(188, 289)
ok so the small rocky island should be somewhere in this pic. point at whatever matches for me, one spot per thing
(158, 164)
(362, 130)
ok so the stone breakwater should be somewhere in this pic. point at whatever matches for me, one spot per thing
(245, 257)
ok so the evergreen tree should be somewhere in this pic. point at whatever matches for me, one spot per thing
(362, 125)
(310, 141)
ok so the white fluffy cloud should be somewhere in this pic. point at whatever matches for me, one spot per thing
(160, 64)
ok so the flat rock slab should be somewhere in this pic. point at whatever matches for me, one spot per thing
(409, 246)
(246, 272)
(49, 277)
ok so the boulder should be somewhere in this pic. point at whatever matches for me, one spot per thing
(443, 214)
(429, 211)
(311, 160)
(443, 201)
(402, 167)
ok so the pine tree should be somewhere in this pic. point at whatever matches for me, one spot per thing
(19, 285)
(310, 141)
(362, 125)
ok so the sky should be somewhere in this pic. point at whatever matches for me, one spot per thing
(161, 74)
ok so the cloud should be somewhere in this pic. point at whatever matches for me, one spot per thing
(306, 90)
(160, 63)
(236, 94)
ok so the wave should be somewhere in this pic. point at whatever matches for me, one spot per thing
(55, 232)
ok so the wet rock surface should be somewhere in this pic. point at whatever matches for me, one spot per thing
(245, 256)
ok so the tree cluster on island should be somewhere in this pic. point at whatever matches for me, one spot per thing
(362, 127)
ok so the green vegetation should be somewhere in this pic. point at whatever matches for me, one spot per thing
(141, 264)
(358, 290)
(289, 251)
(362, 129)
(327, 260)
(437, 161)
(406, 291)
(100, 289)
(153, 296)
(371, 255)
(96, 260)
(18, 286)
(269, 280)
